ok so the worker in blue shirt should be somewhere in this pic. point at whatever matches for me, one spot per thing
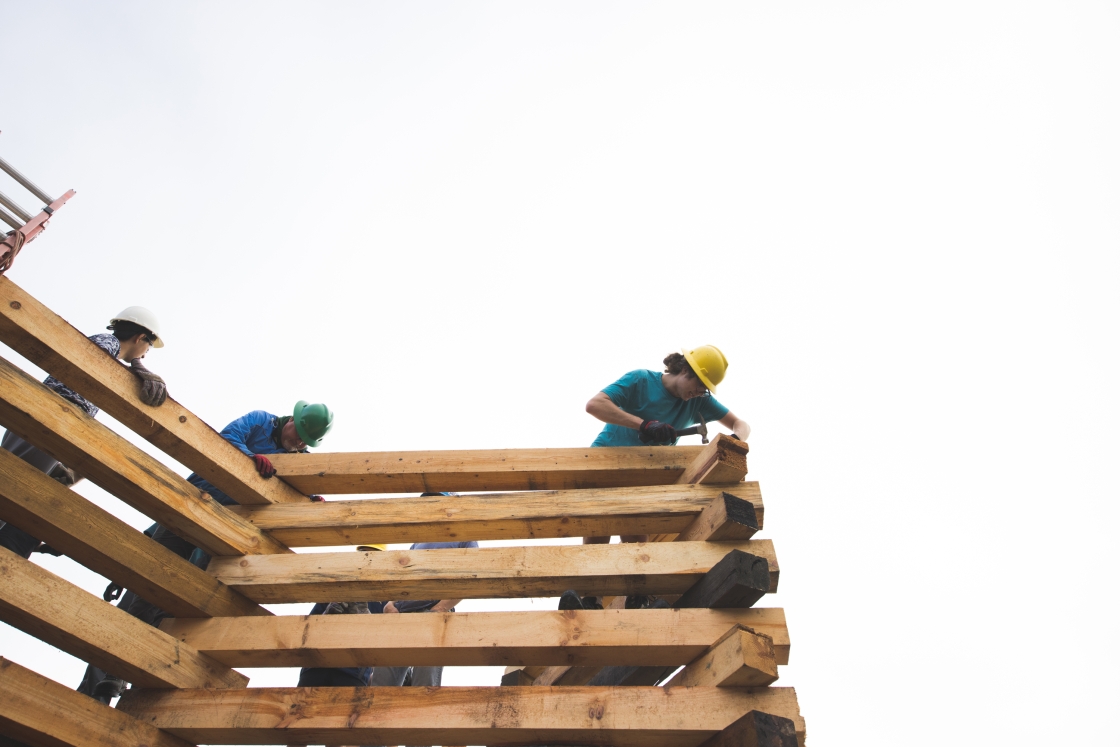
(255, 434)
(647, 408)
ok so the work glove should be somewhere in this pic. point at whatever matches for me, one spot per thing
(654, 431)
(264, 467)
(317, 498)
(153, 391)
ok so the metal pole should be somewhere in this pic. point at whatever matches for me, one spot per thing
(4, 216)
(11, 205)
(4, 165)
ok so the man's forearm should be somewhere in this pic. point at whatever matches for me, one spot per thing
(445, 605)
(602, 408)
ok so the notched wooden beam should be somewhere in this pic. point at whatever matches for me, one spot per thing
(742, 657)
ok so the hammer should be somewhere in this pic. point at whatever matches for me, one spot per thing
(702, 429)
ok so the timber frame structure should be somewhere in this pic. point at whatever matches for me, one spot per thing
(604, 677)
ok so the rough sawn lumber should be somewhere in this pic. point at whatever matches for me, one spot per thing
(489, 572)
(534, 515)
(586, 637)
(622, 717)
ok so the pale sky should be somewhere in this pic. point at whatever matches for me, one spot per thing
(454, 223)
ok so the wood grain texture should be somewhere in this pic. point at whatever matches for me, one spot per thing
(69, 434)
(723, 461)
(492, 572)
(48, 341)
(506, 516)
(55, 611)
(39, 711)
(743, 657)
(103, 543)
(582, 638)
(489, 470)
(623, 717)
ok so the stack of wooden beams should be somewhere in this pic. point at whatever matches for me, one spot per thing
(602, 677)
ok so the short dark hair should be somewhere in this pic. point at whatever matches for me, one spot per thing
(123, 330)
(675, 363)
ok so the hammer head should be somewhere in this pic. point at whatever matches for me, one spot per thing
(702, 429)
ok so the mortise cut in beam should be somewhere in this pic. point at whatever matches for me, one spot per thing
(66, 432)
(489, 572)
(103, 543)
(622, 717)
(561, 513)
(491, 470)
(55, 611)
(48, 341)
(584, 638)
(743, 657)
(36, 710)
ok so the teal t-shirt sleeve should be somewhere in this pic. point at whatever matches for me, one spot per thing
(622, 391)
(712, 409)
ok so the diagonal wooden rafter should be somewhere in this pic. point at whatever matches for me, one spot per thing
(742, 657)
(103, 543)
(36, 710)
(666, 637)
(48, 341)
(535, 515)
(68, 433)
(59, 613)
(622, 717)
(489, 572)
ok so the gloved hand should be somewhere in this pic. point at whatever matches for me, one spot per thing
(317, 498)
(264, 467)
(153, 391)
(654, 431)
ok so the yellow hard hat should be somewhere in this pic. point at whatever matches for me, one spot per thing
(709, 364)
(367, 548)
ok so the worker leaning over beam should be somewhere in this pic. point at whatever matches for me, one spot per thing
(646, 408)
(134, 331)
(255, 435)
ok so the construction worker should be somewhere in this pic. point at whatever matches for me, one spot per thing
(420, 676)
(134, 331)
(256, 435)
(646, 408)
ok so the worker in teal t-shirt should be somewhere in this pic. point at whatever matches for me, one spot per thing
(647, 408)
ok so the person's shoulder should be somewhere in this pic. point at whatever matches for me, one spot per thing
(639, 375)
(106, 341)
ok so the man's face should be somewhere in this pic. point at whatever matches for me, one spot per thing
(289, 438)
(692, 387)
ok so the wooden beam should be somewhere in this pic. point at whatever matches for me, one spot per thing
(48, 341)
(668, 637)
(55, 611)
(758, 729)
(489, 572)
(743, 657)
(40, 711)
(622, 717)
(103, 543)
(535, 515)
(66, 432)
(721, 462)
(727, 517)
(738, 580)
(503, 469)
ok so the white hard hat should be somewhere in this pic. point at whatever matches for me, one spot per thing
(143, 317)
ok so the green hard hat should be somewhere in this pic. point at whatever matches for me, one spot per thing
(312, 422)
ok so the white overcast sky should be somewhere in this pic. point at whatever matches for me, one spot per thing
(456, 222)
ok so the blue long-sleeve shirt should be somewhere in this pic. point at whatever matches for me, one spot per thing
(251, 434)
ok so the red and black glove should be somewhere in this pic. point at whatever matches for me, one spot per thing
(654, 431)
(264, 467)
(317, 498)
